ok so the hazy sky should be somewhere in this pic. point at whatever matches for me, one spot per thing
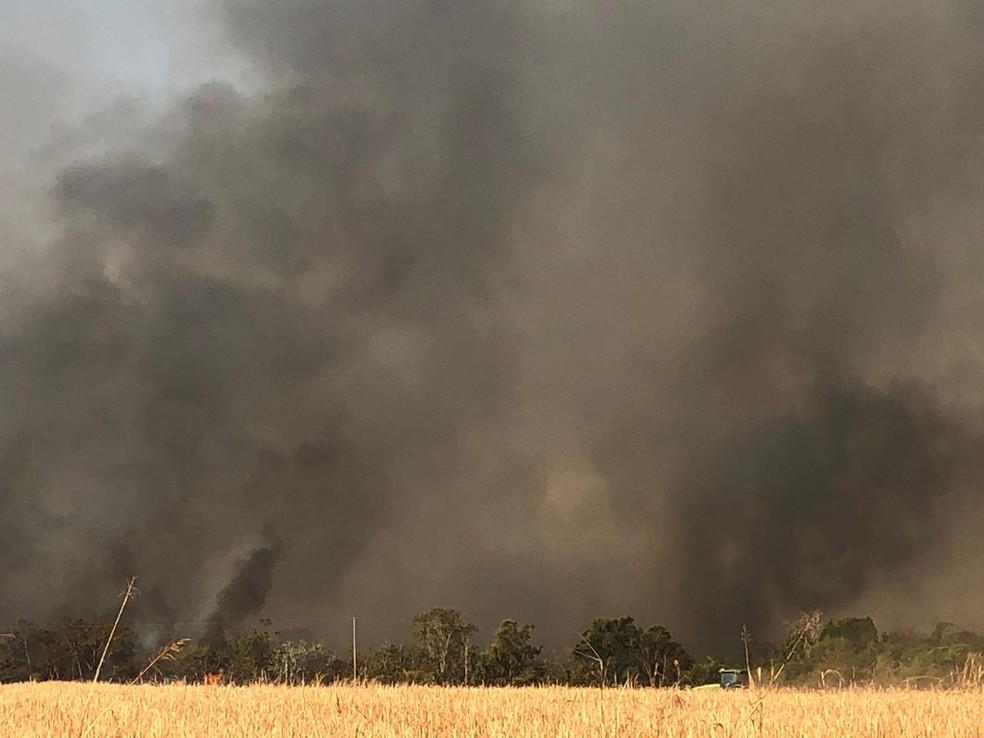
(102, 41)
(93, 51)
(64, 63)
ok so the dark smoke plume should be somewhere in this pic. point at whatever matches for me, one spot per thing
(247, 592)
(542, 310)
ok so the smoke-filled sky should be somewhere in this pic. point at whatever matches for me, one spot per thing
(551, 310)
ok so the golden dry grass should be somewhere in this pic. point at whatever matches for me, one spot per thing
(61, 711)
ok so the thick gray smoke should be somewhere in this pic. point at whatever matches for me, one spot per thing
(547, 310)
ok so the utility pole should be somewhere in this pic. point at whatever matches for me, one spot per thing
(130, 593)
(745, 636)
(355, 662)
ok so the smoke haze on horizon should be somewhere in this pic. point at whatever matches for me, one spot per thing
(546, 310)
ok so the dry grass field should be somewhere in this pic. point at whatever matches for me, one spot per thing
(57, 710)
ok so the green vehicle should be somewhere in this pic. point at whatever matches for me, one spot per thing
(728, 679)
(733, 678)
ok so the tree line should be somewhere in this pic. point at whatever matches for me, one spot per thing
(444, 651)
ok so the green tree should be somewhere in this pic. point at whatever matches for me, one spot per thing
(839, 661)
(793, 658)
(13, 658)
(445, 642)
(252, 658)
(393, 663)
(72, 649)
(608, 652)
(662, 661)
(204, 658)
(510, 658)
(705, 671)
(859, 632)
(301, 662)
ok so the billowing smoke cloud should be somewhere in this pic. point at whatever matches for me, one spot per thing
(542, 310)
(246, 594)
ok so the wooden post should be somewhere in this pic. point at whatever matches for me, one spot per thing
(355, 654)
